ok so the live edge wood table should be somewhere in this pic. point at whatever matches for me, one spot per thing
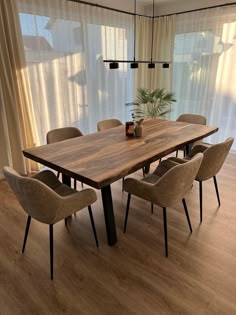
(101, 158)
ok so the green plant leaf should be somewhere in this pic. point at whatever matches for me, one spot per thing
(152, 103)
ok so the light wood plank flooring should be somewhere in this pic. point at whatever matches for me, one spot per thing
(133, 277)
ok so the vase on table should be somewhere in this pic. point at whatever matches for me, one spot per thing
(139, 128)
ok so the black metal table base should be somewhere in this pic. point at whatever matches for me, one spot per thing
(109, 215)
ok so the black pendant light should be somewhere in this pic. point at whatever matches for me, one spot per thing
(165, 65)
(134, 64)
(114, 64)
(151, 65)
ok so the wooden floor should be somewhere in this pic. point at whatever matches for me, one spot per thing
(133, 277)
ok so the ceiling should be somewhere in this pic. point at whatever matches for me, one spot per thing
(162, 7)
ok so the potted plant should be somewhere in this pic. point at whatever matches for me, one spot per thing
(151, 103)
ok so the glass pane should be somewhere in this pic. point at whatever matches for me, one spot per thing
(204, 75)
(70, 83)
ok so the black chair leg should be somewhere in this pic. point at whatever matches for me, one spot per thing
(187, 149)
(146, 168)
(123, 180)
(127, 211)
(187, 215)
(65, 222)
(93, 225)
(26, 233)
(152, 207)
(217, 191)
(165, 231)
(200, 199)
(51, 249)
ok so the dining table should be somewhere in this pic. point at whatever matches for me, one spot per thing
(101, 158)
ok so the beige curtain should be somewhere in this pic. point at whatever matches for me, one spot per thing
(15, 98)
(163, 47)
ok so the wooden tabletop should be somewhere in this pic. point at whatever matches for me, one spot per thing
(101, 158)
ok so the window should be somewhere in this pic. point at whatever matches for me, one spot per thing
(204, 69)
(70, 84)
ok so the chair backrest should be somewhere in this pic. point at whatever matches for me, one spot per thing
(36, 198)
(176, 182)
(108, 123)
(192, 119)
(213, 159)
(60, 134)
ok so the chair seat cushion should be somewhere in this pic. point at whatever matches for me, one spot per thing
(72, 200)
(144, 188)
(164, 167)
(48, 178)
(152, 178)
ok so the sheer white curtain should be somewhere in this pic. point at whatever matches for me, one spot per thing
(204, 72)
(163, 47)
(65, 44)
(16, 119)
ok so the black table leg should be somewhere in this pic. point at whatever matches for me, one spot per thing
(109, 215)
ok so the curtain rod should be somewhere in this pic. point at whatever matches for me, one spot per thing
(126, 12)
(200, 9)
(107, 8)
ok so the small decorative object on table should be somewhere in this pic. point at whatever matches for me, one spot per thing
(129, 128)
(139, 128)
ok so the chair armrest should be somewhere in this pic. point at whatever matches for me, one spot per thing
(75, 202)
(139, 188)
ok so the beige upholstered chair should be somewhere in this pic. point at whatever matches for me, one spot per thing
(60, 134)
(191, 119)
(108, 123)
(213, 158)
(165, 187)
(44, 198)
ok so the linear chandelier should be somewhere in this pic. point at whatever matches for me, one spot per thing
(114, 64)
